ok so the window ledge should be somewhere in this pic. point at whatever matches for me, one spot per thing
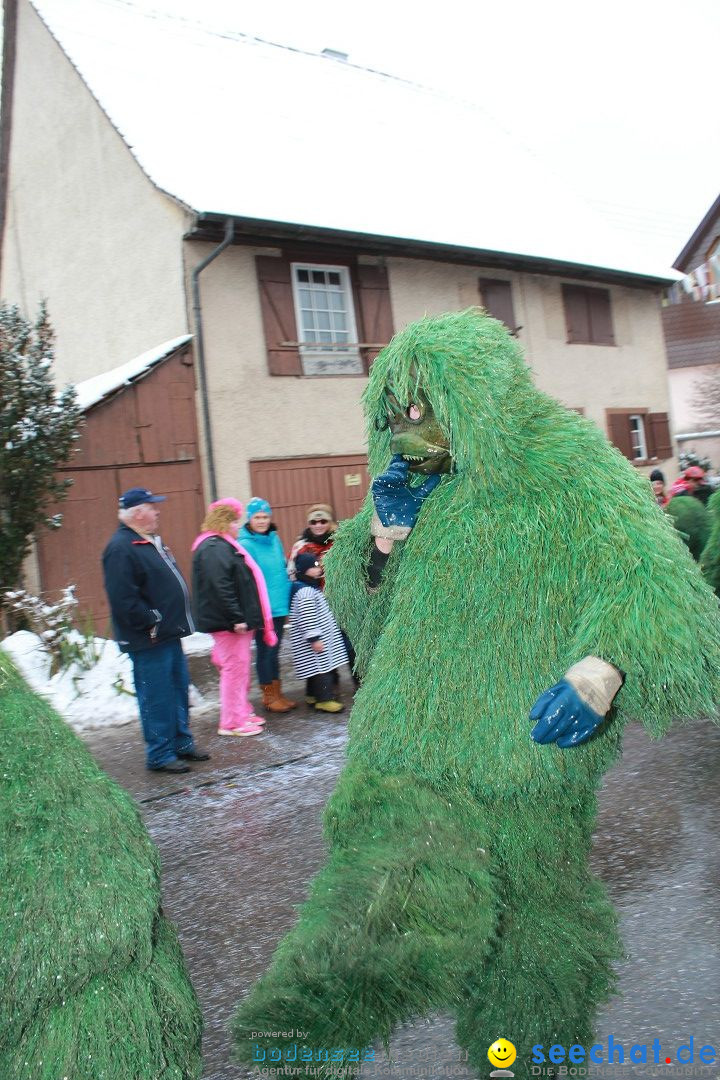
(599, 344)
(331, 365)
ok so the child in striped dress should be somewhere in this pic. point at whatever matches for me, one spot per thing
(317, 644)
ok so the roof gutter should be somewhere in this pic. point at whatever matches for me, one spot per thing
(200, 352)
(265, 233)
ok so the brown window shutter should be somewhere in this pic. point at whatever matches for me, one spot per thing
(374, 311)
(497, 300)
(601, 327)
(278, 314)
(576, 314)
(657, 431)
(619, 433)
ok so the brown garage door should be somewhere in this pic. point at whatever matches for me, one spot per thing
(146, 435)
(73, 554)
(291, 485)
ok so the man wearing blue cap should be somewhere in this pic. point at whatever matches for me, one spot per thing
(150, 607)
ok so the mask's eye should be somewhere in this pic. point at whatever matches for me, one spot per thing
(382, 423)
(413, 412)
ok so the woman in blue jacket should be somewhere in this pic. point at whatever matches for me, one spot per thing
(259, 536)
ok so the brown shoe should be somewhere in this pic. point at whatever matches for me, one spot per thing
(280, 700)
(270, 699)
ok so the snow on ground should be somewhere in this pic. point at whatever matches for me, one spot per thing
(104, 695)
(197, 644)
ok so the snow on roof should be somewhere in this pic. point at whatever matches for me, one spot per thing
(91, 391)
(233, 125)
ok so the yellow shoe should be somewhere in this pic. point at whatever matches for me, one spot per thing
(329, 706)
(310, 700)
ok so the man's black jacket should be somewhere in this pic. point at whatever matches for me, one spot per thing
(149, 600)
(224, 590)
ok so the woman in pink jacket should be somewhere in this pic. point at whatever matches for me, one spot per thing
(230, 601)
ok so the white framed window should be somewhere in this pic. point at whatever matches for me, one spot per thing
(325, 318)
(637, 437)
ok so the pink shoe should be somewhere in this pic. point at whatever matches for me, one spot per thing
(244, 729)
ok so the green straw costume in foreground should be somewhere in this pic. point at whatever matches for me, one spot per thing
(457, 878)
(93, 982)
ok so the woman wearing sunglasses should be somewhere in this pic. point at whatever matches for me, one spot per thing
(317, 537)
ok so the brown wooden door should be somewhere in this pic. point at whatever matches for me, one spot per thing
(182, 514)
(145, 436)
(291, 485)
(73, 554)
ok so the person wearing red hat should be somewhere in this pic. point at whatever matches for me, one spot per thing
(692, 482)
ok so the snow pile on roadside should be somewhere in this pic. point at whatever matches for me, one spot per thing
(103, 696)
(197, 644)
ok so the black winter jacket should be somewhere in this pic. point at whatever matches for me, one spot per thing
(146, 590)
(224, 590)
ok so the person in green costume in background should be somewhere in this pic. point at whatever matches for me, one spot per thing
(692, 521)
(710, 558)
(93, 983)
(505, 634)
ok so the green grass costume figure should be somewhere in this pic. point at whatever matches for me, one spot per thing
(506, 548)
(92, 980)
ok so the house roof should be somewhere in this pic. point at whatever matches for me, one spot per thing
(711, 218)
(231, 125)
(92, 391)
(317, 240)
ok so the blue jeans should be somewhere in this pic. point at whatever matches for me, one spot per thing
(267, 656)
(161, 683)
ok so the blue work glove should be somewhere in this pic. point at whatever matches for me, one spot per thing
(397, 504)
(562, 717)
(572, 710)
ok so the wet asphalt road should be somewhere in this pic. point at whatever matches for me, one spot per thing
(240, 838)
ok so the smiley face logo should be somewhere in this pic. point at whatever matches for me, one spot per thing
(502, 1053)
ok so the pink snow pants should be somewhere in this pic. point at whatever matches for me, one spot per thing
(231, 655)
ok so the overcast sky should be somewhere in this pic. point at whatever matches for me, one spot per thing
(620, 97)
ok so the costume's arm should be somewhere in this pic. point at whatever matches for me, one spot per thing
(572, 710)
(361, 567)
(379, 554)
(644, 609)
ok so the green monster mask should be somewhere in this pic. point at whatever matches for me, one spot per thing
(417, 435)
(456, 395)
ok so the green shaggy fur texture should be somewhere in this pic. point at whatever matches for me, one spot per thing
(457, 878)
(93, 980)
(692, 521)
(710, 559)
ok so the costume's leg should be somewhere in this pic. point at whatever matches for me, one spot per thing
(138, 1021)
(552, 963)
(94, 984)
(402, 908)
(231, 655)
(351, 657)
(152, 671)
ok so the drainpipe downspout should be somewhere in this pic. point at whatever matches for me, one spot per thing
(200, 352)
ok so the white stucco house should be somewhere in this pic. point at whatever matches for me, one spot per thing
(291, 211)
